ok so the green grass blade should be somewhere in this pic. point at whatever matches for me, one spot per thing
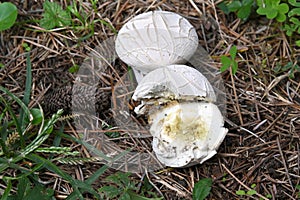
(27, 91)
(24, 171)
(14, 118)
(75, 195)
(50, 166)
(96, 175)
(3, 132)
(6, 191)
(83, 187)
(88, 146)
(58, 138)
(77, 185)
(23, 187)
(3, 112)
(3, 164)
(108, 25)
(15, 98)
(41, 137)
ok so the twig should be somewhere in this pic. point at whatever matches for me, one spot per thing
(253, 134)
(284, 163)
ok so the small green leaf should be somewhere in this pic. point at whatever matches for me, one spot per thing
(8, 15)
(54, 16)
(223, 7)
(261, 11)
(294, 11)
(226, 62)
(234, 6)
(269, 196)
(281, 17)
(113, 134)
(298, 43)
(273, 2)
(253, 185)
(202, 189)
(74, 69)
(37, 116)
(233, 51)
(295, 20)
(125, 196)
(247, 2)
(290, 29)
(244, 12)
(260, 3)
(234, 67)
(240, 192)
(283, 8)
(110, 191)
(288, 66)
(294, 3)
(25, 45)
(277, 68)
(251, 192)
(134, 196)
(271, 13)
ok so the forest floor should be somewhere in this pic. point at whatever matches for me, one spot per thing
(261, 151)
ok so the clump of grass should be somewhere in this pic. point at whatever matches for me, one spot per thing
(121, 187)
(25, 149)
(23, 135)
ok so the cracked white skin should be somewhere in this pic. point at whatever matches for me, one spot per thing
(178, 82)
(155, 39)
(186, 133)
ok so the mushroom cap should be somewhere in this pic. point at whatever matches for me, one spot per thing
(186, 133)
(155, 39)
(174, 82)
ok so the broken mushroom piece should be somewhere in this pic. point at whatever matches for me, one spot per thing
(174, 82)
(186, 133)
(155, 39)
(186, 125)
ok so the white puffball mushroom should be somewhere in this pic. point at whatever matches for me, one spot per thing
(174, 82)
(156, 39)
(186, 133)
(187, 127)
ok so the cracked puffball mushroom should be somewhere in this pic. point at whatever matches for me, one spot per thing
(156, 39)
(187, 127)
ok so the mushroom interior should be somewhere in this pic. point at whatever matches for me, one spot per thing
(186, 132)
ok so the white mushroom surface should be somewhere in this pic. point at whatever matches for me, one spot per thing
(174, 82)
(156, 39)
(186, 133)
(187, 127)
